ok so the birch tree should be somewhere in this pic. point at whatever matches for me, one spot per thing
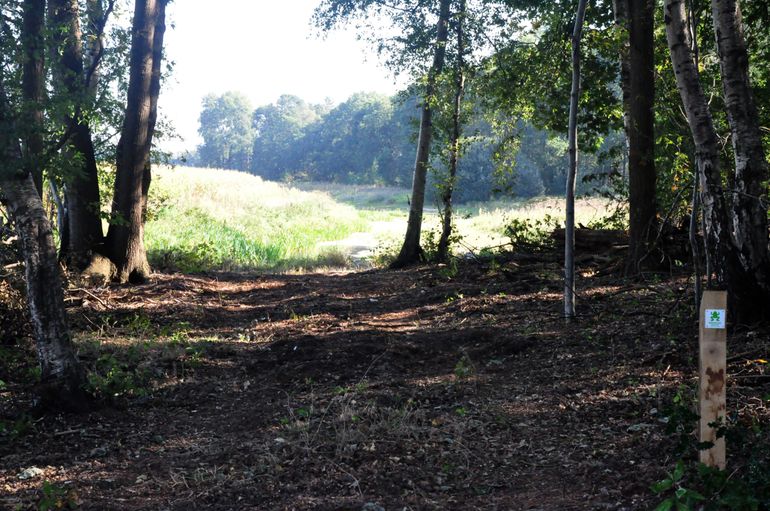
(733, 247)
(569, 231)
(456, 132)
(704, 136)
(61, 377)
(411, 251)
(749, 194)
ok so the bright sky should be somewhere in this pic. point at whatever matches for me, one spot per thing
(263, 48)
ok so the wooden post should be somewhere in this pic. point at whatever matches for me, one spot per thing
(713, 374)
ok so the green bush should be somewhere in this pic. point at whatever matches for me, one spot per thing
(695, 486)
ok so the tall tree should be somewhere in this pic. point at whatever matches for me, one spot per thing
(411, 251)
(226, 129)
(454, 142)
(33, 87)
(277, 129)
(736, 235)
(749, 195)
(637, 17)
(704, 136)
(84, 234)
(569, 231)
(61, 375)
(417, 43)
(125, 238)
(349, 143)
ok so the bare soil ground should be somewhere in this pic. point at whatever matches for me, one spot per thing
(417, 389)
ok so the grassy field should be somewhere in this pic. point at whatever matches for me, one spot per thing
(216, 219)
(206, 219)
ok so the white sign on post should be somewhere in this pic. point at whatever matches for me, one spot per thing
(713, 376)
(714, 319)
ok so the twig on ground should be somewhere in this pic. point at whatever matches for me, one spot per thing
(89, 293)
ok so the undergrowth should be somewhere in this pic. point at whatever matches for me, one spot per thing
(117, 371)
(692, 486)
(226, 220)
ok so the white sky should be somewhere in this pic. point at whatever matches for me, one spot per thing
(263, 48)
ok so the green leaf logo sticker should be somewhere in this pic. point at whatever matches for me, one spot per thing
(715, 319)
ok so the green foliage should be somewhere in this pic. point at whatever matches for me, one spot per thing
(430, 240)
(694, 486)
(682, 498)
(17, 428)
(226, 129)
(528, 235)
(450, 269)
(110, 379)
(369, 139)
(529, 76)
(57, 497)
(279, 127)
(233, 221)
(681, 419)
(464, 367)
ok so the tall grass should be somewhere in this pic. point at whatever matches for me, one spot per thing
(205, 219)
(230, 220)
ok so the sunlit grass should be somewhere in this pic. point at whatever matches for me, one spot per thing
(483, 225)
(217, 219)
(206, 219)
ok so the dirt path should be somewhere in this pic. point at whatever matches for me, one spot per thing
(361, 246)
(409, 390)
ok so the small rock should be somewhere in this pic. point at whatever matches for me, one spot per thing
(30, 473)
(99, 452)
(371, 506)
(280, 441)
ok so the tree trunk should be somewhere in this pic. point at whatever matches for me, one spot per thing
(33, 83)
(454, 156)
(96, 20)
(85, 235)
(61, 375)
(126, 234)
(411, 252)
(751, 284)
(640, 130)
(569, 231)
(157, 61)
(705, 139)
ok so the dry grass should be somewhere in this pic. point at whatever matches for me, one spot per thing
(217, 219)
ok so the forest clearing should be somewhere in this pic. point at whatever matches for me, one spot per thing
(410, 389)
(385, 255)
(228, 220)
(455, 386)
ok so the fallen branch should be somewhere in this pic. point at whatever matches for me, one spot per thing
(89, 293)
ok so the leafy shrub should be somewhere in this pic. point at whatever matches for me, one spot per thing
(57, 497)
(529, 235)
(111, 379)
(692, 485)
